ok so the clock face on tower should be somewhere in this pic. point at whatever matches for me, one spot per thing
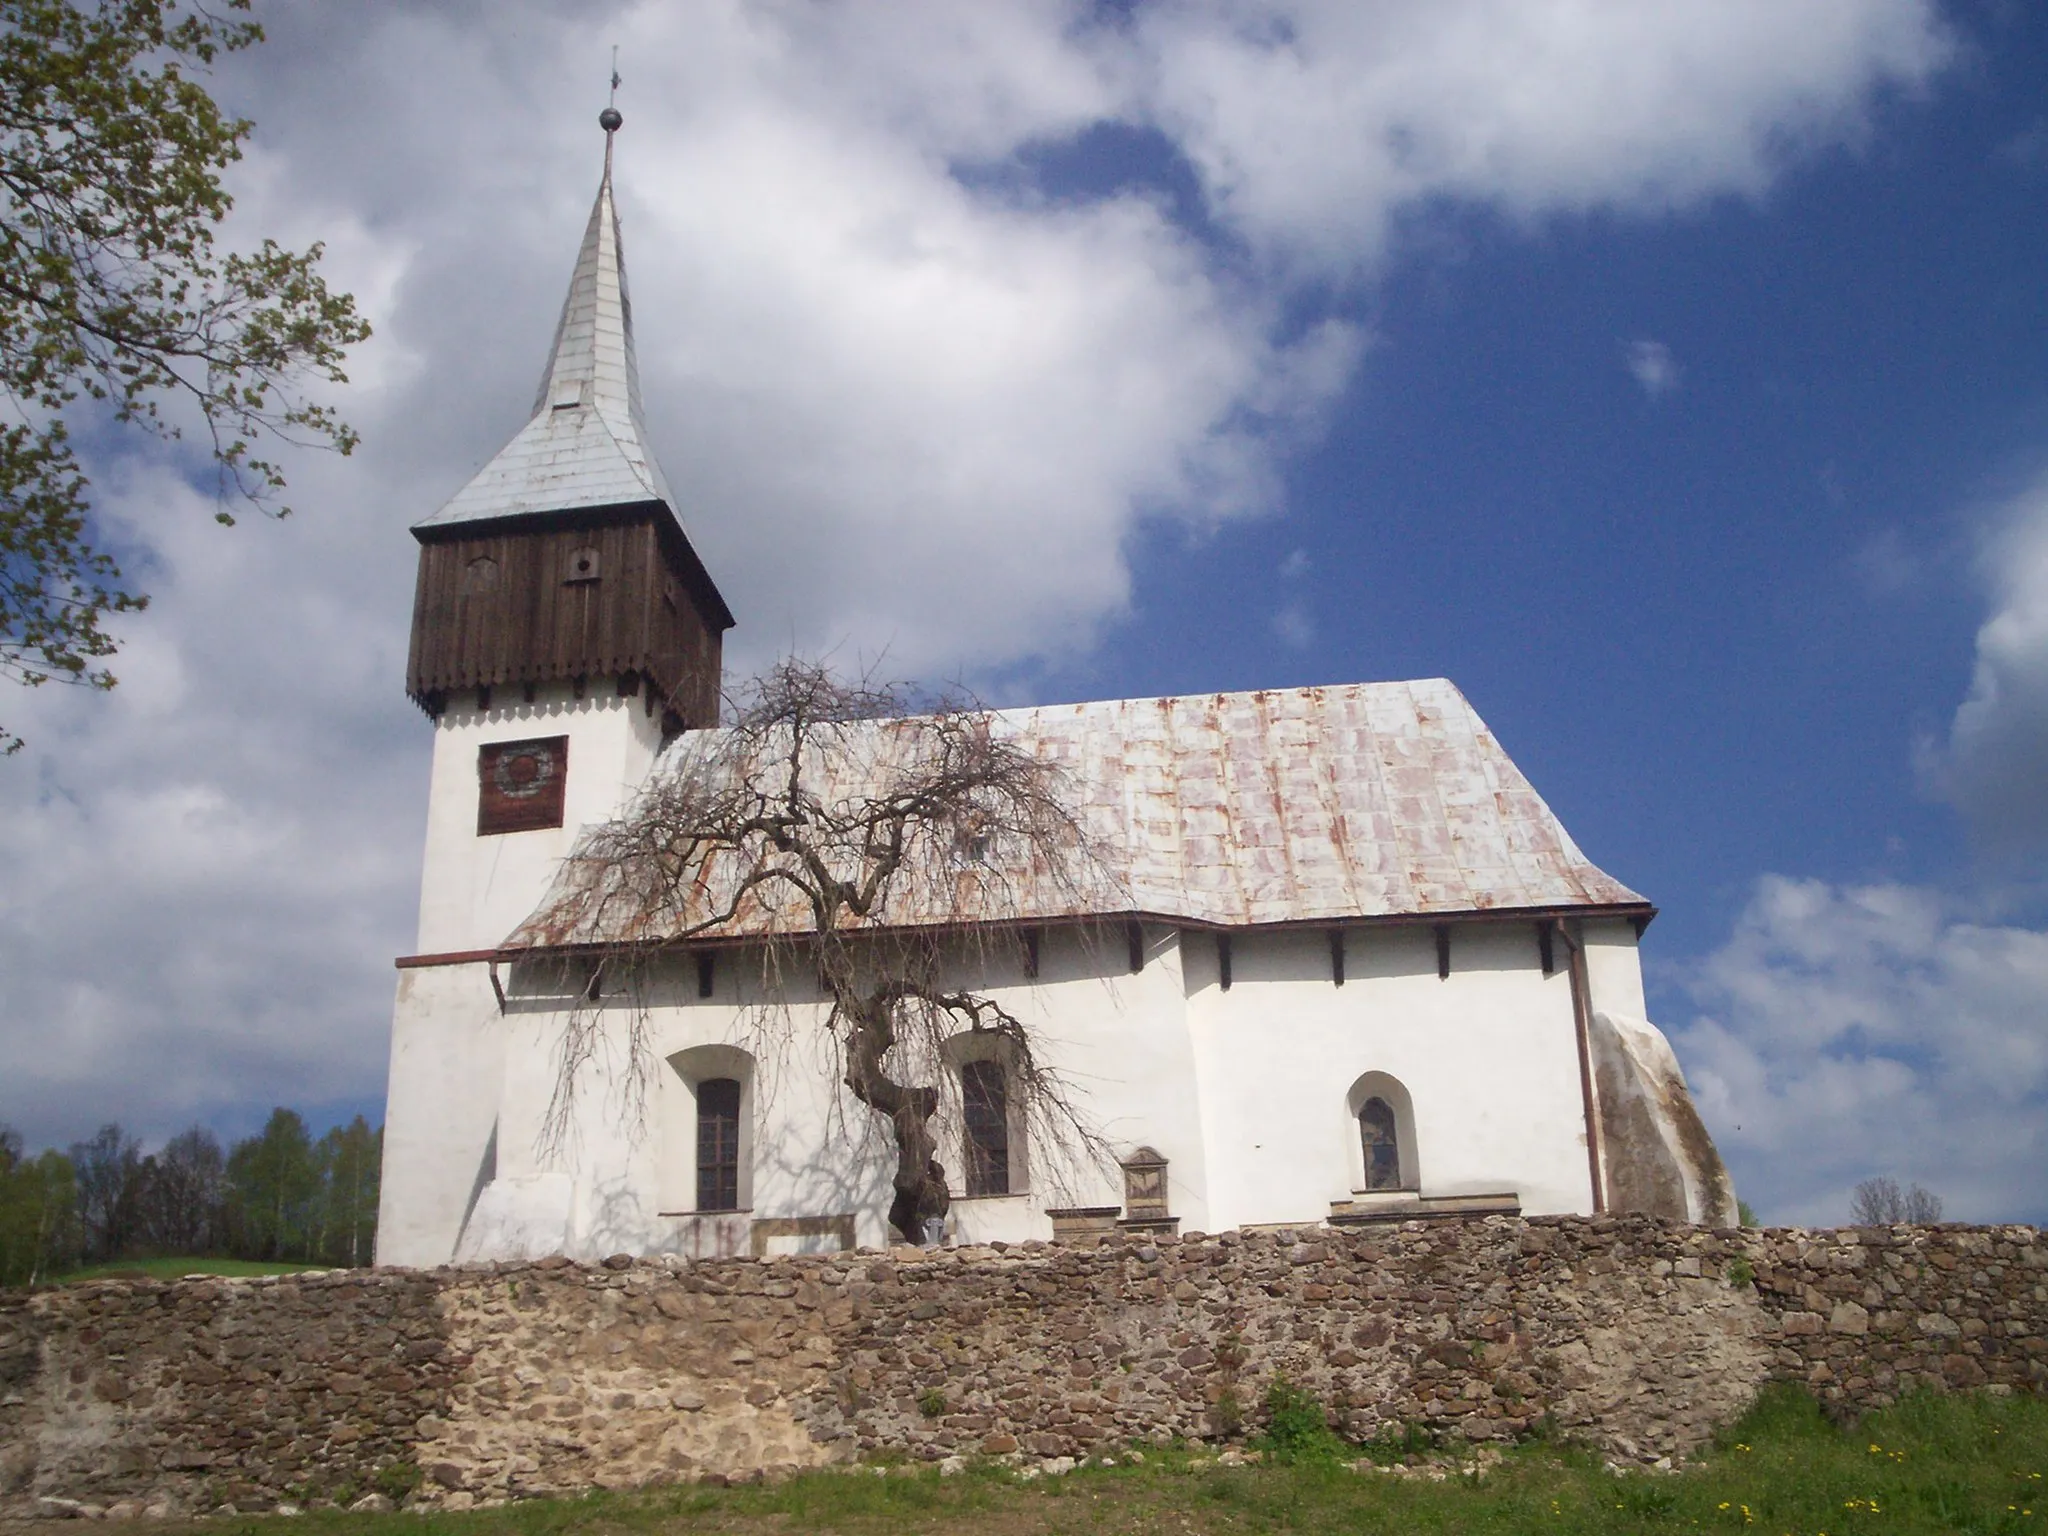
(520, 784)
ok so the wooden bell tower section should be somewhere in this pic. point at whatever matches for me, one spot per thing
(563, 560)
(610, 598)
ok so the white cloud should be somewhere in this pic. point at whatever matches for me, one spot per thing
(901, 413)
(1994, 766)
(1653, 366)
(209, 867)
(1295, 625)
(1315, 122)
(1850, 1031)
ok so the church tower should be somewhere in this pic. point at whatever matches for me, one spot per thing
(563, 629)
(563, 626)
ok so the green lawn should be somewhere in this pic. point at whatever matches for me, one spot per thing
(1961, 1465)
(174, 1269)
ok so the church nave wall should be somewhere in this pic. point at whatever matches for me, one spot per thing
(1487, 1057)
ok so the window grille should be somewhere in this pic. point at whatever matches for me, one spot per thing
(1378, 1131)
(986, 1099)
(718, 1144)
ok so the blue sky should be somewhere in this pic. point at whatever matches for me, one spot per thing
(1674, 379)
(1712, 621)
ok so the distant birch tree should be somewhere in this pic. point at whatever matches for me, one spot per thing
(348, 1159)
(38, 1213)
(274, 1189)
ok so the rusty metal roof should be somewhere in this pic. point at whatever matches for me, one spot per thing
(1369, 800)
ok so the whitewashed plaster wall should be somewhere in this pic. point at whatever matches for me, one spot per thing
(475, 890)
(1245, 1091)
(440, 1117)
(1614, 968)
(1489, 1059)
(810, 1150)
(448, 1043)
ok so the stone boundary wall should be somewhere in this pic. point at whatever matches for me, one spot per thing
(484, 1383)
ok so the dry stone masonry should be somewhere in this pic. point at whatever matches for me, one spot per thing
(459, 1386)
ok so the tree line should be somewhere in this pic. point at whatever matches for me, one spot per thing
(280, 1195)
(1880, 1202)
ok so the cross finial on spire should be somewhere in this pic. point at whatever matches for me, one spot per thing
(610, 118)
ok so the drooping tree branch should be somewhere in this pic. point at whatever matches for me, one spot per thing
(889, 841)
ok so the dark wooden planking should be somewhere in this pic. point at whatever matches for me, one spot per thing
(649, 608)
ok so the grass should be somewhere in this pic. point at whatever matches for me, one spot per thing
(174, 1269)
(1961, 1466)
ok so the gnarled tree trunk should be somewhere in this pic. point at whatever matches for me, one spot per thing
(920, 1182)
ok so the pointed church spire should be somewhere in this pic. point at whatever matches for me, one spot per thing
(586, 446)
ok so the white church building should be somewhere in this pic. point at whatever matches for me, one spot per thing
(1352, 968)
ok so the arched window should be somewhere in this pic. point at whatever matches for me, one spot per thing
(1379, 1132)
(985, 1096)
(707, 1109)
(718, 1144)
(1382, 1119)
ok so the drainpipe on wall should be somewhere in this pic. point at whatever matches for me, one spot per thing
(1582, 1022)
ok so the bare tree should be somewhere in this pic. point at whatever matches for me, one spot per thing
(1880, 1202)
(181, 1194)
(109, 1177)
(886, 845)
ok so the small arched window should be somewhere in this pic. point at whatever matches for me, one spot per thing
(718, 1144)
(1380, 1133)
(985, 1097)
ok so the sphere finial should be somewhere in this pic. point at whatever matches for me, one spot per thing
(609, 119)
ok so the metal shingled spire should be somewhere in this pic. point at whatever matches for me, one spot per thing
(587, 444)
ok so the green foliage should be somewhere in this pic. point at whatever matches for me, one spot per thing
(396, 1479)
(274, 1188)
(1297, 1428)
(38, 1213)
(1226, 1414)
(1782, 1414)
(931, 1402)
(348, 1161)
(1740, 1271)
(1411, 1440)
(176, 1267)
(1745, 1214)
(1929, 1467)
(277, 1201)
(116, 303)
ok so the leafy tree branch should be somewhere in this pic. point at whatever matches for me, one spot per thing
(116, 302)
